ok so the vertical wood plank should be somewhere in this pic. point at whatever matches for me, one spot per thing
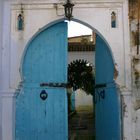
(108, 125)
(45, 61)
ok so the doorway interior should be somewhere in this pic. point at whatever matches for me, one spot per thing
(106, 120)
(81, 68)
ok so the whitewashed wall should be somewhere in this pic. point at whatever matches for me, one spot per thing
(89, 56)
(95, 13)
(44, 14)
(83, 101)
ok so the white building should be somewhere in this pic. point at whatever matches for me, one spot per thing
(96, 14)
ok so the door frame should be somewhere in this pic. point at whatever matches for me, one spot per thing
(55, 22)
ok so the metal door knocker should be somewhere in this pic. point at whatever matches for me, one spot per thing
(43, 95)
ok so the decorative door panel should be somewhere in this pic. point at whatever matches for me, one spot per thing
(108, 122)
(41, 105)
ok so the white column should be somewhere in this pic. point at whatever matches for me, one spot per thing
(127, 116)
(128, 105)
(6, 46)
(1, 21)
(6, 97)
(8, 118)
(126, 40)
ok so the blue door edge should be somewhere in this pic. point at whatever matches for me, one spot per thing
(104, 64)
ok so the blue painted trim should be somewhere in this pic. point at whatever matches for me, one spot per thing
(53, 23)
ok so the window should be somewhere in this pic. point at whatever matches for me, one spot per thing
(20, 22)
(113, 20)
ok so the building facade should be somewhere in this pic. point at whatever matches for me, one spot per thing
(21, 19)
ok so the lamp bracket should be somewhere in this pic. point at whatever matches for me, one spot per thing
(56, 6)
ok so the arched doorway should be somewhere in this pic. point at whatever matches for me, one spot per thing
(41, 104)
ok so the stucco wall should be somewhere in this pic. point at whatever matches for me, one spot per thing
(5, 69)
(134, 17)
(46, 14)
(89, 56)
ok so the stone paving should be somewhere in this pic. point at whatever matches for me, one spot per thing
(81, 125)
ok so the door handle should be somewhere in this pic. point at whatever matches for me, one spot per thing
(43, 95)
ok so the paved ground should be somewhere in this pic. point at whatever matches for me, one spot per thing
(81, 126)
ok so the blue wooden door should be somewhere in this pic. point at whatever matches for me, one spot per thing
(106, 97)
(44, 63)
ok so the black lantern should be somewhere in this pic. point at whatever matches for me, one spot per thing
(68, 9)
